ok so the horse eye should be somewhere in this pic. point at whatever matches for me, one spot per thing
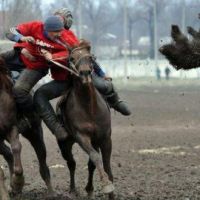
(71, 59)
(81, 73)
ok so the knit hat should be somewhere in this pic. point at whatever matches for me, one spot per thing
(53, 23)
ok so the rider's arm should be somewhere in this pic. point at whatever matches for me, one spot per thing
(21, 33)
(14, 35)
(98, 70)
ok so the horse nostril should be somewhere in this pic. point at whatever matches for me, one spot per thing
(85, 73)
(81, 73)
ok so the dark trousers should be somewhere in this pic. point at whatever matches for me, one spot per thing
(47, 92)
(42, 96)
(12, 60)
(105, 87)
(27, 80)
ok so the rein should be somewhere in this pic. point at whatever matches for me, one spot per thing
(78, 61)
(73, 65)
(73, 71)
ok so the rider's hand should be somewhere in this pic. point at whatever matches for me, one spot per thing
(46, 54)
(29, 39)
(28, 55)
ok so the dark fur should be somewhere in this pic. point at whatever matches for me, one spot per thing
(183, 53)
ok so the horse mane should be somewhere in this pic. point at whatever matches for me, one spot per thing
(3, 68)
(5, 81)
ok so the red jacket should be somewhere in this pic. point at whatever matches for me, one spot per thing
(36, 30)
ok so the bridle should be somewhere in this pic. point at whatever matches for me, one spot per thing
(74, 65)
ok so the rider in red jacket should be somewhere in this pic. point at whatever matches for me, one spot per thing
(39, 38)
(29, 53)
(100, 80)
(36, 30)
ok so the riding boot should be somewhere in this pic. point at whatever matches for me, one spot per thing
(118, 105)
(49, 117)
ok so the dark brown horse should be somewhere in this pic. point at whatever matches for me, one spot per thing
(8, 131)
(87, 119)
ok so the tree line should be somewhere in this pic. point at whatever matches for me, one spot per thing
(102, 21)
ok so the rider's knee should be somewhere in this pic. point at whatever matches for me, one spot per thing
(107, 87)
(104, 86)
(20, 91)
(38, 95)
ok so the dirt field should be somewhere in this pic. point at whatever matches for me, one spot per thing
(156, 151)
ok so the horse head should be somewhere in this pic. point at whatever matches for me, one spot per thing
(81, 61)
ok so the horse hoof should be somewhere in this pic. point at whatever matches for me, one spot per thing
(50, 195)
(17, 184)
(15, 194)
(73, 194)
(90, 195)
(108, 188)
(4, 195)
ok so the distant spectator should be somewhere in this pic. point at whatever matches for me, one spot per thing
(158, 72)
(167, 73)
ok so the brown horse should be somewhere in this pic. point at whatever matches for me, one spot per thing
(8, 131)
(87, 119)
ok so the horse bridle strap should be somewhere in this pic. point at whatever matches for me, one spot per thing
(77, 62)
(64, 67)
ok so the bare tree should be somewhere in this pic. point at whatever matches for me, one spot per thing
(148, 13)
(19, 11)
(98, 16)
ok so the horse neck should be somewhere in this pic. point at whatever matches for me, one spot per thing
(5, 83)
(86, 96)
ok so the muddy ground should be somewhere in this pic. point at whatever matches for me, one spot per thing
(156, 151)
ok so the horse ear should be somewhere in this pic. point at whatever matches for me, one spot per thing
(85, 43)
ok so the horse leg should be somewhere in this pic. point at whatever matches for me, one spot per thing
(17, 177)
(3, 191)
(7, 154)
(66, 150)
(91, 168)
(106, 149)
(85, 142)
(35, 137)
